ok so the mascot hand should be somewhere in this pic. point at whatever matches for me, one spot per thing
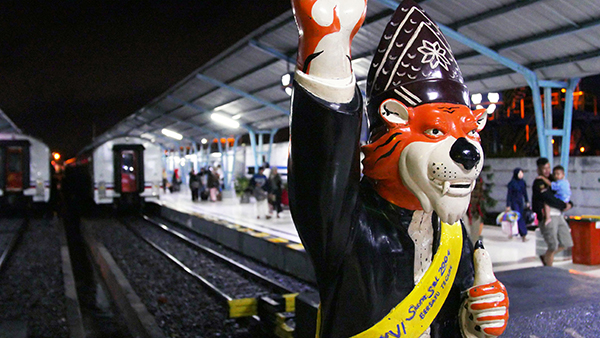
(326, 28)
(485, 312)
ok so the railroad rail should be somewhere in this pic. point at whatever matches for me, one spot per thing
(239, 305)
(10, 233)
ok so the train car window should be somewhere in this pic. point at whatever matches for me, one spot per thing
(129, 171)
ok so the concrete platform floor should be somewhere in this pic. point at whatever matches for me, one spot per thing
(507, 254)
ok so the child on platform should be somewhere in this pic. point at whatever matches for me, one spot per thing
(561, 188)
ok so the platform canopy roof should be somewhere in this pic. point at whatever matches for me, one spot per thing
(7, 126)
(491, 39)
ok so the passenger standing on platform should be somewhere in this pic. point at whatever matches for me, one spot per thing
(165, 181)
(474, 218)
(260, 188)
(194, 185)
(212, 182)
(556, 233)
(175, 181)
(516, 198)
(275, 193)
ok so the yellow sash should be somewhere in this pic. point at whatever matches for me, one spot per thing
(417, 311)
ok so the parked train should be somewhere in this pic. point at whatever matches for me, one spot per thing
(123, 171)
(25, 176)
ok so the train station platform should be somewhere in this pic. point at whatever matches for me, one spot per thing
(507, 254)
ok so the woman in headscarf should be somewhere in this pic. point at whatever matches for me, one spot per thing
(516, 198)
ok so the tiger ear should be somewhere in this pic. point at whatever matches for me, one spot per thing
(481, 118)
(394, 112)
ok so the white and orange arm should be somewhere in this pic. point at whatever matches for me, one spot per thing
(326, 29)
(485, 312)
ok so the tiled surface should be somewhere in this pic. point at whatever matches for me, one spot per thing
(507, 254)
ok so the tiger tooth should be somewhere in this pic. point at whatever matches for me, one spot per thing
(445, 187)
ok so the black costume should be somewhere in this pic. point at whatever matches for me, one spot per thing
(358, 242)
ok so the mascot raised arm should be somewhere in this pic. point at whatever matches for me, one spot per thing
(390, 254)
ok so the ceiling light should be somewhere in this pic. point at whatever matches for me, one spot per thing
(493, 97)
(288, 90)
(225, 120)
(204, 141)
(172, 134)
(478, 106)
(491, 108)
(237, 117)
(476, 98)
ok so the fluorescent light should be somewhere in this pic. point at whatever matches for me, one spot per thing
(476, 98)
(478, 106)
(225, 120)
(238, 116)
(491, 108)
(172, 134)
(493, 97)
(204, 141)
(288, 90)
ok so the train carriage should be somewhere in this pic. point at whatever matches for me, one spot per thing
(24, 170)
(124, 170)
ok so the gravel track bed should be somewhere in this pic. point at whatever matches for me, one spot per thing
(4, 241)
(290, 282)
(180, 305)
(31, 287)
(226, 278)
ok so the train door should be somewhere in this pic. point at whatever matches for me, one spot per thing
(129, 171)
(14, 165)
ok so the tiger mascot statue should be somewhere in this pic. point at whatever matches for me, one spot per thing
(391, 256)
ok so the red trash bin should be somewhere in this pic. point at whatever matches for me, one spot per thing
(585, 231)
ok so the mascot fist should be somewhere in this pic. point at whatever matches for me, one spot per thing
(326, 27)
(485, 312)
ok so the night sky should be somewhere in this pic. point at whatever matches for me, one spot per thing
(71, 67)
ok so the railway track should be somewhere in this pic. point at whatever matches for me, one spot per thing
(239, 287)
(10, 233)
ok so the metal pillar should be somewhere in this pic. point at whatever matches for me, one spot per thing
(254, 151)
(271, 137)
(260, 149)
(235, 143)
(548, 125)
(567, 124)
(197, 163)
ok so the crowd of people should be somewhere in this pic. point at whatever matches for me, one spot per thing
(266, 186)
(206, 184)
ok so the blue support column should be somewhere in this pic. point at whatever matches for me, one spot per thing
(539, 113)
(196, 165)
(548, 124)
(271, 137)
(223, 160)
(567, 124)
(235, 143)
(254, 151)
(260, 149)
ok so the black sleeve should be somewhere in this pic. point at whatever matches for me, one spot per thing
(324, 173)
(546, 196)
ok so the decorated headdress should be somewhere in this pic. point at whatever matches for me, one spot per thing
(413, 64)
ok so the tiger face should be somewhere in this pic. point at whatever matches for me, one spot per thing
(430, 157)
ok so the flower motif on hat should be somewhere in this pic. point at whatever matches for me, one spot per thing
(434, 54)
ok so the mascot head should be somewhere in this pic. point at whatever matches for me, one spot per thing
(424, 150)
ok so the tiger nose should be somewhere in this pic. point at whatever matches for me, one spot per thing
(465, 153)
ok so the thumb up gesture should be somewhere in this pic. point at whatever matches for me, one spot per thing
(485, 312)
